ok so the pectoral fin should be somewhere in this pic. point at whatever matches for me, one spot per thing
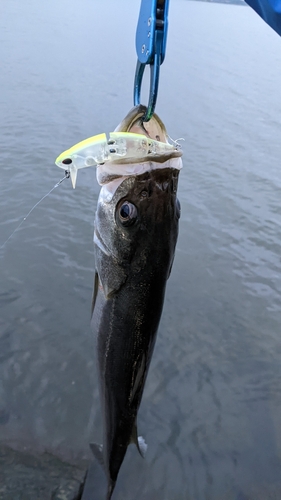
(138, 377)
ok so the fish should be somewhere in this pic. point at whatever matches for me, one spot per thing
(135, 235)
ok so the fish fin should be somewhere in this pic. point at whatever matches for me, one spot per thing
(171, 265)
(138, 441)
(142, 446)
(97, 452)
(138, 376)
(110, 488)
(95, 291)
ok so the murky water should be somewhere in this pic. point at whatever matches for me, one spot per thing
(211, 411)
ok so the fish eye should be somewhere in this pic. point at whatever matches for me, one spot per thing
(127, 213)
(67, 161)
(144, 194)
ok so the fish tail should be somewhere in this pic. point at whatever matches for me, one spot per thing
(111, 486)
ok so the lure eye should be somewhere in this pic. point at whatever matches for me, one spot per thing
(127, 213)
(67, 161)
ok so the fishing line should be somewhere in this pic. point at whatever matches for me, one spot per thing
(176, 141)
(67, 175)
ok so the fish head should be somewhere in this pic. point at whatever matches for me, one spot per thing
(137, 211)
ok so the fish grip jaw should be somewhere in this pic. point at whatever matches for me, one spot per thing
(151, 38)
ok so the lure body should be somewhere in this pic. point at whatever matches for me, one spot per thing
(121, 146)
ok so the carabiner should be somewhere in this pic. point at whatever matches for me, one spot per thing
(151, 38)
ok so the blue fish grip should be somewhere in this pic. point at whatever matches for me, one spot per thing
(151, 39)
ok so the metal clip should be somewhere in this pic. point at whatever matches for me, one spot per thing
(151, 38)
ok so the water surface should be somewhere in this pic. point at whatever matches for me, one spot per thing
(212, 404)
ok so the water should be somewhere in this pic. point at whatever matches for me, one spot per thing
(212, 404)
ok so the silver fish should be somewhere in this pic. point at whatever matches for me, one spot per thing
(136, 229)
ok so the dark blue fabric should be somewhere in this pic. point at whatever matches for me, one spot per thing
(270, 12)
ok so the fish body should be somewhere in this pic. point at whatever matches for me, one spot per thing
(136, 229)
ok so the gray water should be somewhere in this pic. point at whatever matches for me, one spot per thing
(211, 411)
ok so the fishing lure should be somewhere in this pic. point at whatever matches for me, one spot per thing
(121, 147)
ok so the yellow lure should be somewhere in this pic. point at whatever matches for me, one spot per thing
(98, 150)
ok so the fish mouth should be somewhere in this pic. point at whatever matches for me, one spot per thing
(133, 122)
(155, 129)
